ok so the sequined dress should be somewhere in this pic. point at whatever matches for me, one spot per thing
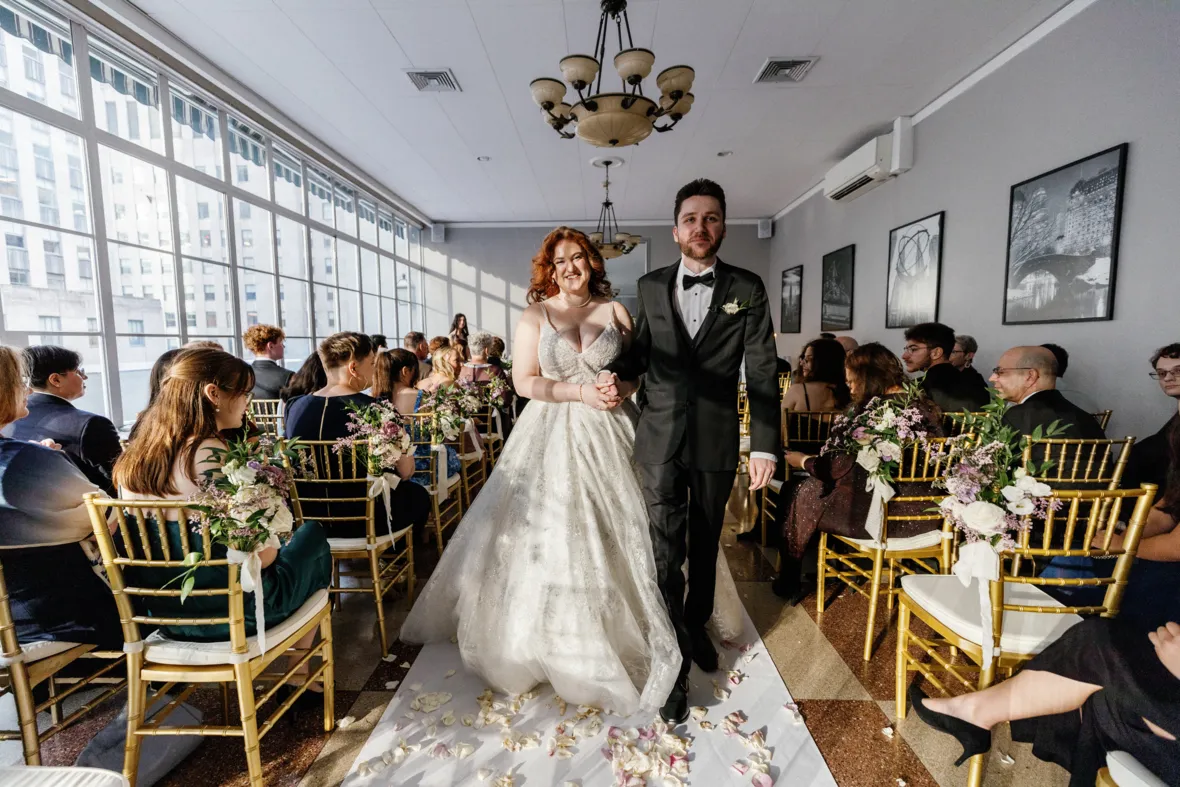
(550, 576)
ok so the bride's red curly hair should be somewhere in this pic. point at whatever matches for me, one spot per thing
(543, 284)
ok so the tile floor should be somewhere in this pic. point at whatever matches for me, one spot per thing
(845, 702)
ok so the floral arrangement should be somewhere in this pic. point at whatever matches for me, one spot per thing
(378, 432)
(496, 392)
(991, 497)
(450, 406)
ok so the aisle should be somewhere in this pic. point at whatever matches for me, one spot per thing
(430, 745)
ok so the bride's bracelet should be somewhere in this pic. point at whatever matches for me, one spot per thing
(580, 399)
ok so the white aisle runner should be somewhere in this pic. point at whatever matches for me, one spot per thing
(433, 746)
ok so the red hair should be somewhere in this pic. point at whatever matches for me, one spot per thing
(544, 285)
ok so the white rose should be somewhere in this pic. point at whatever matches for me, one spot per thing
(887, 418)
(1012, 493)
(868, 459)
(1019, 473)
(984, 518)
(889, 451)
(1021, 507)
(239, 474)
(282, 521)
(730, 308)
(1033, 487)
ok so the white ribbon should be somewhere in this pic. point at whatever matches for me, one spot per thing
(979, 562)
(882, 494)
(497, 425)
(382, 485)
(251, 577)
(477, 450)
(440, 474)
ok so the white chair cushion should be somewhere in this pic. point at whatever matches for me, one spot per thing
(23, 776)
(35, 651)
(744, 444)
(162, 650)
(776, 485)
(356, 544)
(957, 608)
(920, 541)
(1126, 771)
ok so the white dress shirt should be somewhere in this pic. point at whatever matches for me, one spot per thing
(693, 306)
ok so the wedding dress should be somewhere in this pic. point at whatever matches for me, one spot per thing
(550, 576)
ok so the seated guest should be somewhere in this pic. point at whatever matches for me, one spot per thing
(349, 360)
(266, 342)
(848, 343)
(88, 439)
(155, 380)
(202, 344)
(834, 498)
(436, 344)
(379, 342)
(309, 378)
(827, 335)
(1150, 457)
(205, 394)
(416, 343)
(820, 383)
(479, 369)
(1027, 377)
(1080, 398)
(963, 358)
(54, 594)
(395, 381)
(1100, 688)
(446, 363)
(928, 349)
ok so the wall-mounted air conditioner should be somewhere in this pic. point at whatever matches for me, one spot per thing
(872, 164)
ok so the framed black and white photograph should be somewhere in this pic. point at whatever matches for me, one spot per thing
(1063, 241)
(836, 304)
(791, 313)
(915, 266)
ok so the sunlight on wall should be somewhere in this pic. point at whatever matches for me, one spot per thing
(463, 273)
(465, 301)
(434, 260)
(493, 286)
(518, 296)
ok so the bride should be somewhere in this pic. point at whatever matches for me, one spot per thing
(550, 576)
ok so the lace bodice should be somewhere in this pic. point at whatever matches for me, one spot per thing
(559, 360)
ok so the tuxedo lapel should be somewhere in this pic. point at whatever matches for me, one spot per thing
(669, 302)
(720, 291)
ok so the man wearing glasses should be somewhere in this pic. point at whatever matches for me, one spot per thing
(928, 349)
(1150, 460)
(90, 440)
(1027, 377)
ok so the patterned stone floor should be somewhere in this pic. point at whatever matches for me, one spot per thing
(846, 703)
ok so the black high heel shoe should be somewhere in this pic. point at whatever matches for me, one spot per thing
(974, 739)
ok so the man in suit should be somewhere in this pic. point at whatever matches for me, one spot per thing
(928, 349)
(88, 439)
(1027, 377)
(266, 342)
(1150, 457)
(696, 322)
(416, 343)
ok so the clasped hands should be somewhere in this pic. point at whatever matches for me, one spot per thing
(607, 392)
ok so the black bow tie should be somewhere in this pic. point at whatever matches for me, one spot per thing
(691, 281)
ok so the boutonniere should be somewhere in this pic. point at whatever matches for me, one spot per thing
(735, 306)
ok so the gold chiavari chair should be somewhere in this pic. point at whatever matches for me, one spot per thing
(330, 488)
(743, 407)
(152, 550)
(490, 427)
(24, 667)
(446, 501)
(1103, 418)
(1079, 463)
(1025, 619)
(784, 383)
(473, 467)
(954, 424)
(807, 430)
(268, 415)
(927, 552)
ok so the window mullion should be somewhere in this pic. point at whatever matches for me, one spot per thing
(231, 230)
(174, 205)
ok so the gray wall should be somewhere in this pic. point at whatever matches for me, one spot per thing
(1107, 76)
(484, 272)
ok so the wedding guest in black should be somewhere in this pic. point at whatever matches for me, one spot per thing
(819, 385)
(266, 342)
(90, 440)
(349, 360)
(1100, 688)
(1078, 397)
(379, 342)
(54, 594)
(458, 335)
(834, 499)
(310, 377)
(1151, 457)
(928, 349)
(1027, 377)
(963, 359)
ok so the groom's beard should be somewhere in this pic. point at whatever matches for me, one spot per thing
(687, 250)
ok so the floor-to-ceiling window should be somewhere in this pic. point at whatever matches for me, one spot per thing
(138, 214)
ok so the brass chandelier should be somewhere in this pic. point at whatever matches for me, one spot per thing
(609, 120)
(607, 237)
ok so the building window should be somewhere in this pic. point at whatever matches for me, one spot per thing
(145, 266)
(210, 319)
(206, 239)
(120, 211)
(85, 266)
(248, 262)
(132, 121)
(251, 293)
(34, 69)
(92, 326)
(251, 318)
(243, 210)
(135, 327)
(55, 265)
(128, 291)
(113, 123)
(210, 292)
(49, 323)
(243, 173)
(43, 163)
(125, 266)
(18, 259)
(169, 319)
(48, 202)
(188, 293)
(190, 320)
(247, 238)
(202, 210)
(80, 222)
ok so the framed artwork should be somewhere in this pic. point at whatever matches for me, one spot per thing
(791, 313)
(915, 268)
(836, 304)
(1063, 241)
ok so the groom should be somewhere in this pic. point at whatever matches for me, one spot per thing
(696, 322)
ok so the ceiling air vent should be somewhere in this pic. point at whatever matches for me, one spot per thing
(784, 69)
(434, 80)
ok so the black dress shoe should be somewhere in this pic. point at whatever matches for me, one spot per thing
(704, 655)
(974, 739)
(793, 590)
(750, 535)
(675, 710)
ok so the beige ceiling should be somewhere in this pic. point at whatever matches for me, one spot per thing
(336, 67)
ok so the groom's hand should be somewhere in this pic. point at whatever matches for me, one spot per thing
(608, 384)
(761, 471)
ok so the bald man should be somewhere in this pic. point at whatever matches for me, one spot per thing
(848, 343)
(1027, 377)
